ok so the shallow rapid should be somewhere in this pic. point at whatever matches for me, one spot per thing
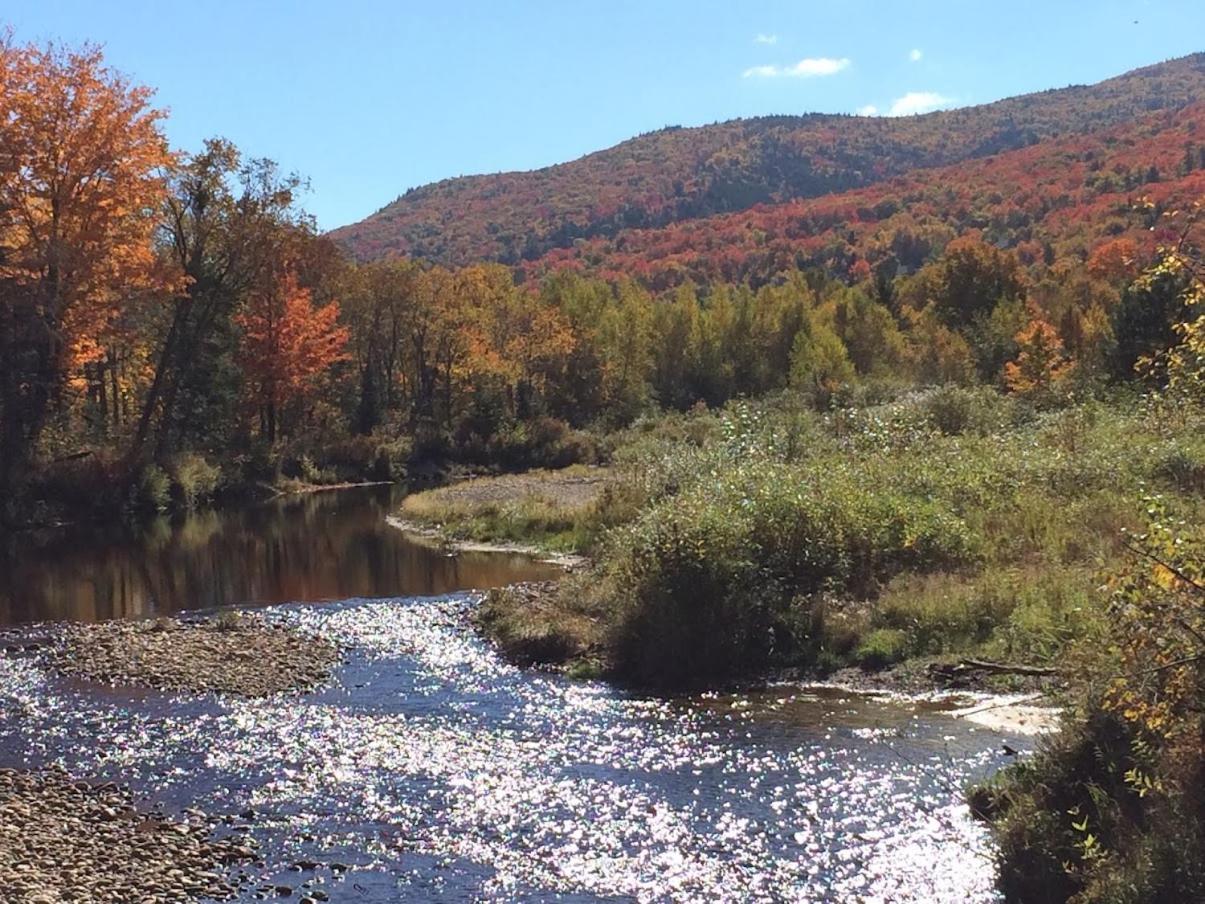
(434, 770)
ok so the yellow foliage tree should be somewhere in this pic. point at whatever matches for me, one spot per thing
(1041, 361)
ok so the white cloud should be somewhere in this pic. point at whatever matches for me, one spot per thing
(766, 39)
(807, 68)
(868, 110)
(919, 102)
(915, 55)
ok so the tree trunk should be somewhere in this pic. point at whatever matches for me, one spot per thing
(161, 369)
(27, 379)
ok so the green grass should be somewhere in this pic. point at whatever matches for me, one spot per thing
(539, 508)
(532, 521)
(941, 523)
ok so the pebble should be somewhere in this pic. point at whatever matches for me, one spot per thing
(242, 655)
(62, 839)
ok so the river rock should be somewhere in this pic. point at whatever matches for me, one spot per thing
(66, 840)
(240, 654)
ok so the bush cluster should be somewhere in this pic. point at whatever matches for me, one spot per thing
(939, 522)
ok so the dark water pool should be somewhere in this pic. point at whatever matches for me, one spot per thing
(320, 546)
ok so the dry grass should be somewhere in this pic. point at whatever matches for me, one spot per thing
(551, 509)
(542, 624)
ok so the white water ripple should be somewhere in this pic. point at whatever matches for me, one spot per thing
(437, 770)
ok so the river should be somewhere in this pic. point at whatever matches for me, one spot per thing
(311, 547)
(435, 771)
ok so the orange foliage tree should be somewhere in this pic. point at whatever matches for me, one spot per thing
(1041, 361)
(1115, 261)
(514, 337)
(288, 343)
(81, 161)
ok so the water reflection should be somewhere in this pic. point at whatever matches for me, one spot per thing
(321, 546)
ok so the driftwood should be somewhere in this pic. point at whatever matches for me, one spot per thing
(950, 671)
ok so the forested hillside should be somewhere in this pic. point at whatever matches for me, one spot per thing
(684, 173)
(1057, 199)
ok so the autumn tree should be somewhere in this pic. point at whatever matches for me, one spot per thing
(625, 338)
(1145, 320)
(676, 325)
(819, 362)
(226, 224)
(1080, 307)
(1115, 261)
(606, 373)
(935, 353)
(868, 331)
(81, 161)
(288, 343)
(779, 313)
(1041, 360)
(516, 339)
(1182, 365)
(969, 279)
(387, 310)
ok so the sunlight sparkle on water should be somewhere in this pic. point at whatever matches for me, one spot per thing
(434, 768)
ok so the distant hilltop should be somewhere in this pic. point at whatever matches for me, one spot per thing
(658, 195)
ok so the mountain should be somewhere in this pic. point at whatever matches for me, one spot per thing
(680, 174)
(1057, 199)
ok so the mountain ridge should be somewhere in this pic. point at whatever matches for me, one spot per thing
(682, 173)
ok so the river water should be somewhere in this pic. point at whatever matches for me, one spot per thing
(308, 548)
(435, 771)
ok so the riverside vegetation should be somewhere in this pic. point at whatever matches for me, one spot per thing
(933, 522)
(944, 521)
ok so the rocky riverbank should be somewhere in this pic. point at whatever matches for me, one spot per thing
(239, 654)
(66, 840)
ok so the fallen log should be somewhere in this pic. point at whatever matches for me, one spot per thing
(950, 671)
(987, 665)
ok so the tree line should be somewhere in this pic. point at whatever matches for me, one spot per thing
(155, 302)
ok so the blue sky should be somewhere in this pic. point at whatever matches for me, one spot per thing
(368, 97)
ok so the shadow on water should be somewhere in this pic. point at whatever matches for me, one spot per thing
(314, 547)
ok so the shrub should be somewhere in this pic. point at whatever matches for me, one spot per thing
(708, 578)
(193, 479)
(429, 446)
(1183, 466)
(304, 470)
(881, 648)
(1085, 822)
(954, 410)
(359, 458)
(542, 442)
(259, 465)
(94, 483)
(538, 624)
(1113, 810)
(152, 491)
